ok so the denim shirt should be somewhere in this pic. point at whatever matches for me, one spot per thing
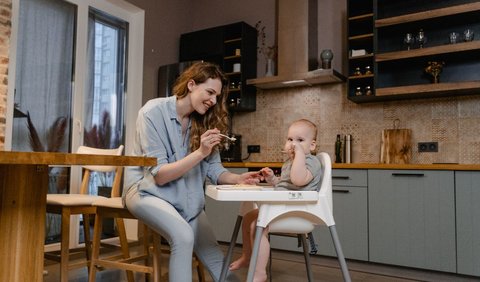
(159, 135)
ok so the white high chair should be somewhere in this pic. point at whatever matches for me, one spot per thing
(297, 218)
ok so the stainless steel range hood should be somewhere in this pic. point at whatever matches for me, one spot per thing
(297, 48)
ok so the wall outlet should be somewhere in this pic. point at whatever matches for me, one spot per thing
(427, 147)
(253, 149)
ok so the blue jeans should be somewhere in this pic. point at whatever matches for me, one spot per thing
(183, 237)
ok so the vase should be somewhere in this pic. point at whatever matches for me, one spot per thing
(326, 58)
(270, 68)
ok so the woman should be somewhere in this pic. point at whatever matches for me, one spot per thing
(182, 132)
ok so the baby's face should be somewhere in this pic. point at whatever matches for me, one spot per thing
(300, 135)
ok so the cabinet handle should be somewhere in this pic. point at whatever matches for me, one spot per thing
(340, 177)
(408, 174)
(341, 191)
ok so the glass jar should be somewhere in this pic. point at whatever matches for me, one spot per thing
(368, 70)
(368, 91)
(357, 71)
(358, 91)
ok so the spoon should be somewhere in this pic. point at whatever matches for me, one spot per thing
(233, 139)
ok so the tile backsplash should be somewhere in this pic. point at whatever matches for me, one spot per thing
(453, 122)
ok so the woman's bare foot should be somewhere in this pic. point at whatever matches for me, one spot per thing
(242, 262)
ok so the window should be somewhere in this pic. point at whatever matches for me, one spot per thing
(55, 76)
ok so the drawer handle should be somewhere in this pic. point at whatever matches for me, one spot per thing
(409, 174)
(340, 177)
(341, 191)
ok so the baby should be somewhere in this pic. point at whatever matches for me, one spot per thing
(301, 171)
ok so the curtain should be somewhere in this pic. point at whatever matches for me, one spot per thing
(44, 69)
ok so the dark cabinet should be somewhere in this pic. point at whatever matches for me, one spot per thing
(402, 66)
(234, 48)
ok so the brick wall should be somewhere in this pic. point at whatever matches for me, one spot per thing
(5, 30)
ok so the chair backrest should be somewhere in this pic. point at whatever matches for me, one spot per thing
(325, 185)
(100, 168)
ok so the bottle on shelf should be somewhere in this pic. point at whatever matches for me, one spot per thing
(338, 149)
(347, 149)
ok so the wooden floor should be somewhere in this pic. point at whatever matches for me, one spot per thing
(290, 267)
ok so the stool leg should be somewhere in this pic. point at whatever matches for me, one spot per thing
(65, 245)
(97, 237)
(157, 257)
(122, 235)
(87, 239)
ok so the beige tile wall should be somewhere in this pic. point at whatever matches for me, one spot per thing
(5, 29)
(453, 122)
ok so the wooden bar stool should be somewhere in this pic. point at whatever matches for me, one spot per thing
(113, 208)
(78, 204)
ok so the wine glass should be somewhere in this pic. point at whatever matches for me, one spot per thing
(421, 38)
(408, 40)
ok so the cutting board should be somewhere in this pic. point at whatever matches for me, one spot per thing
(396, 147)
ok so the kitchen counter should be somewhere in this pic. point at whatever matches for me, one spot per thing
(438, 166)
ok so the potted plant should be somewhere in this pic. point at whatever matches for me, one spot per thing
(58, 176)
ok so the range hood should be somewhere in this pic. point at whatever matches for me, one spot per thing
(297, 48)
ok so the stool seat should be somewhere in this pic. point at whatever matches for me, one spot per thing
(72, 199)
(115, 202)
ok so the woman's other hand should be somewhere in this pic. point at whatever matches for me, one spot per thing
(252, 178)
(208, 140)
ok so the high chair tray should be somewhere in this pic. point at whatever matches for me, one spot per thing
(258, 194)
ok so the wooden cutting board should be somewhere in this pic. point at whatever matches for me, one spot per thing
(396, 146)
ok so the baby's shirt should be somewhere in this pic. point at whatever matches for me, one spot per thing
(313, 165)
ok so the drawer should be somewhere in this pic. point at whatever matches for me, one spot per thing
(349, 177)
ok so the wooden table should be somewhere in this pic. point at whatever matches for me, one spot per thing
(23, 190)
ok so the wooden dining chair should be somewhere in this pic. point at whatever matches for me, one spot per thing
(67, 205)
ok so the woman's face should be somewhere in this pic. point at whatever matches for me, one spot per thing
(204, 95)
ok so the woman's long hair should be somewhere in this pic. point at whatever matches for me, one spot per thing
(216, 116)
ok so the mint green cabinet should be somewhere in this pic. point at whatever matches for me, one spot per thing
(412, 218)
(467, 189)
(350, 214)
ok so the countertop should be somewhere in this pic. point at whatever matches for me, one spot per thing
(437, 166)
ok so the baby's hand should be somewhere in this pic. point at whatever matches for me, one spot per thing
(267, 174)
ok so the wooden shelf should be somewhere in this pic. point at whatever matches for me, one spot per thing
(419, 92)
(430, 14)
(361, 17)
(361, 36)
(429, 90)
(428, 51)
(232, 73)
(232, 40)
(361, 57)
(232, 57)
(363, 76)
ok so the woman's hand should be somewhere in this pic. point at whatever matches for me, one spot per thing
(251, 178)
(208, 140)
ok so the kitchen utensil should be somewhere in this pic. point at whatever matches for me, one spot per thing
(233, 139)
(396, 147)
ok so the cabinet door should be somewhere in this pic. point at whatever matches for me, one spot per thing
(468, 222)
(350, 214)
(412, 218)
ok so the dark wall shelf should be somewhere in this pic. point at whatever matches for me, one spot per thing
(399, 73)
(226, 46)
